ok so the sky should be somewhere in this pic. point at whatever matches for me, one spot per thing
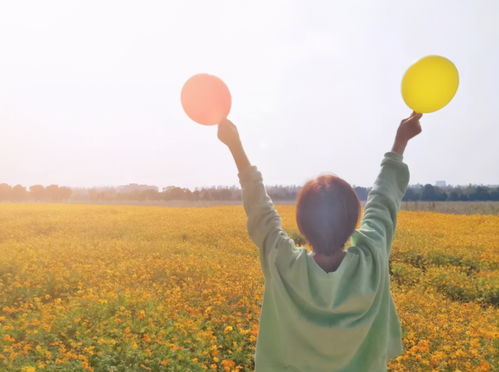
(90, 90)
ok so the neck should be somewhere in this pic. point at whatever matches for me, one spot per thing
(331, 262)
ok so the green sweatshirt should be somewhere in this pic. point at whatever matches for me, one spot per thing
(338, 321)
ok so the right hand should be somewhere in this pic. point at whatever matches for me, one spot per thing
(409, 128)
(228, 134)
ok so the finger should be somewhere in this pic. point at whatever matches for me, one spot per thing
(415, 118)
(409, 118)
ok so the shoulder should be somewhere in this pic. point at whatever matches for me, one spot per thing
(367, 248)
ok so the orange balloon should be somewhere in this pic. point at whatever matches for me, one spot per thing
(206, 99)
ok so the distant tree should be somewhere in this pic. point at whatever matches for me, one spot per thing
(411, 194)
(428, 192)
(175, 193)
(93, 194)
(19, 193)
(57, 194)
(64, 193)
(37, 192)
(453, 195)
(494, 193)
(432, 193)
(108, 194)
(480, 193)
(5, 192)
(150, 195)
(223, 193)
(52, 193)
(467, 192)
(195, 195)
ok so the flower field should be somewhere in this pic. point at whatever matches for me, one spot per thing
(132, 288)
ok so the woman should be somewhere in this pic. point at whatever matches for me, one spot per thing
(331, 309)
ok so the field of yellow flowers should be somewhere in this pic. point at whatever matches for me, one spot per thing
(131, 288)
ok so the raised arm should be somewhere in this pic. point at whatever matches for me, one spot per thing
(264, 223)
(383, 201)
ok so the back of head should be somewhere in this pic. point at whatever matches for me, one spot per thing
(327, 213)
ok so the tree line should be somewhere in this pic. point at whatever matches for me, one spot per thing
(51, 193)
(452, 193)
(55, 193)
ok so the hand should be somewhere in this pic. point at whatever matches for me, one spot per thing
(228, 134)
(408, 128)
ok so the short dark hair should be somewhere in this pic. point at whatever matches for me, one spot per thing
(327, 212)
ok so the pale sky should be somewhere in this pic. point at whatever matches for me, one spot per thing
(90, 90)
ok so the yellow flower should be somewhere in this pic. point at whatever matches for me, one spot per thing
(227, 364)
(9, 338)
(442, 268)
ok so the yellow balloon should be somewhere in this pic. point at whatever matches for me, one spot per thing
(430, 84)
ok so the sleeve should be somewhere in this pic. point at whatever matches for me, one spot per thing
(383, 202)
(264, 223)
